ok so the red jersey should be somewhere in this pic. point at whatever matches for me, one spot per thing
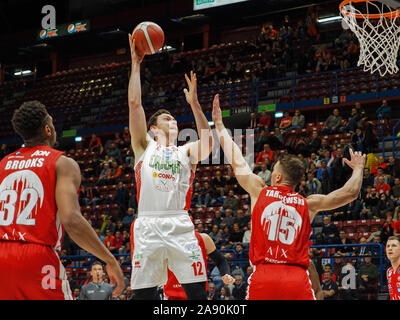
(393, 283)
(173, 290)
(280, 228)
(28, 210)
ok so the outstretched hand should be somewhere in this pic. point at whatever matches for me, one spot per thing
(216, 111)
(357, 160)
(136, 56)
(191, 94)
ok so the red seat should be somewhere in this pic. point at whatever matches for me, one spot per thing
(349, 226)
(363, 226)
(352, 236)
(364, 234)
(338, 224)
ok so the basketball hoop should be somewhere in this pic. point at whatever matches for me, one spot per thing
(377, 27)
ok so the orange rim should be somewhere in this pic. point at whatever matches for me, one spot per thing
(390, 15)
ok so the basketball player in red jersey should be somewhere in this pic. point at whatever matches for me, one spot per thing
(38, 199)
(174, 291)
(281, 219)
(163, 236)
(393, 273)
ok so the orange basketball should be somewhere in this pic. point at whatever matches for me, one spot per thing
(149, 37)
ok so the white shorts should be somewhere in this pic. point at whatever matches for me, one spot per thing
(164, 240)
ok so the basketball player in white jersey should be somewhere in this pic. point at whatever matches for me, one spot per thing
(163, 234)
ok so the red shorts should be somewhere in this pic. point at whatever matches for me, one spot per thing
(280, 282)
(31, 271)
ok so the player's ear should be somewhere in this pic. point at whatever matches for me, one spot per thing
(47, 130)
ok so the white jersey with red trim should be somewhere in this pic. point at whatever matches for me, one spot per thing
(163, 179)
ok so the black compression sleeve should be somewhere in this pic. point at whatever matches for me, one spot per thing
(221, 262)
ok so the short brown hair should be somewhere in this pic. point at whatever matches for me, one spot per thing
(96, 263)
(293, 167)
(153, 118)
(394, 238)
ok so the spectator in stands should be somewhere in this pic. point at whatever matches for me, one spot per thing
(347, 250)
(241, 219)
(228, 219)
(253, 123)
(324, 175)
(368, 180)
(387, 228)
(286, 121)
(236, 235)
(103, 177)
(353, 210)
(225, 293)
(396, 191)
(264, 123)
(197, 200)
(361, 251)
(219, 183)
(332, 123)
(329, 287)
(260, 140)
(212, 293)
(385, 205)
(110, 241)
(115, 173)
(381, 164)
(240, 288)
(391, 167)
(313, 184)
(217, 218)
(114, 152)
(276, 140)
(381, 186)
(267, 155)
(210, 195)
(128, 218)
(381, 173)
(368, 280)
(315, 142)
(385, 109)
(247, 236)
(329, 233)
(231, 201)
(370, 205)
(357, 140)
(215, 233)
(95, 144)
(265, 174)
(224, 240)
(122, 197)
(298, 121)
(351, 124)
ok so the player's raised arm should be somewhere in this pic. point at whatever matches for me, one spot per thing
(201, 149)
(80, 231)
(249, 181)
(137, 117)
(346, 194)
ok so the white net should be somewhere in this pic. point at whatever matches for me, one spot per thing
(378, 38)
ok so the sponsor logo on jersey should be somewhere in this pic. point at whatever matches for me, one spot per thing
(40, 153)
(390, 273)
(162, 163)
